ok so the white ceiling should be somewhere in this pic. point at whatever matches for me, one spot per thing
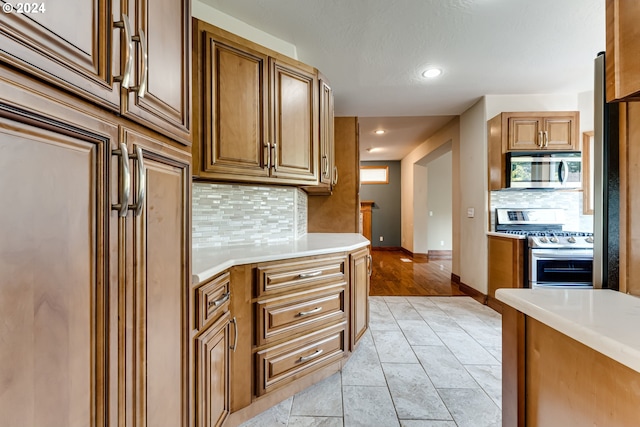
(374, 51)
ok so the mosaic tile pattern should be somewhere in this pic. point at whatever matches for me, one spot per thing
(301, 213)
(230, 214)
(570, 201)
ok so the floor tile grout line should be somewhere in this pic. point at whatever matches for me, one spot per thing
(449, 313)
(419, 363)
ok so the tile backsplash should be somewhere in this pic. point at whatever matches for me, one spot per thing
(570, 201)
(230, 214)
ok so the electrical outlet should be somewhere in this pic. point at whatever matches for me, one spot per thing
(441, 242)
(381, 239)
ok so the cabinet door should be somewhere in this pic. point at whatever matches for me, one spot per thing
(294, 140)
(559, 133)
(68, 44)
(234, 95)
(163, 68)
(157, 296)
(360, 268)
(212, 374)
(623, 42)
(53, 272)
(524, 133)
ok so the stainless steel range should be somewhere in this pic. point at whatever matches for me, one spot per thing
(556, 257)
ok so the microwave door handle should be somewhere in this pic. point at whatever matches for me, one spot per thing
(562, 171)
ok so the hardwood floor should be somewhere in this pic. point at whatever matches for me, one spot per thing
(417, 277)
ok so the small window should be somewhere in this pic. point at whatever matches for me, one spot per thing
(374, 174)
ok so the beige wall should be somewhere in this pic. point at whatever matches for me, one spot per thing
(213, 16)
(468, 135)
(473, 170)
(412, 163)
(473, 195)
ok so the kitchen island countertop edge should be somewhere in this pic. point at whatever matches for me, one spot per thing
(602, 319)
(207, 262)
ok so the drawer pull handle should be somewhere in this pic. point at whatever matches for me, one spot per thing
(306, 313)
(219, 302)
(307, 275)
(311, 356)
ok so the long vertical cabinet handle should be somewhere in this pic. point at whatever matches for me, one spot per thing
(335, 175)
(325, 165)
(546, 138)
(540, 142)
(144, 74)
(125, 78)
(235, 340)
(141, 39)
(267, 147)
(274, 163)
(124, 181)
(370, 268)
(142, 183)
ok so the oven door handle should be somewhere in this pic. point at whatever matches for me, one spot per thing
(561, 253)
(574, 257)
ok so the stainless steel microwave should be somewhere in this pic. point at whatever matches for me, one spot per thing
(544, 169)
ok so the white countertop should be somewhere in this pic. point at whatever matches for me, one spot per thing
(602, 319)
(207, 262)
(507, 235)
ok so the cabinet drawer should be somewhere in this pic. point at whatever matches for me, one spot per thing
(282, 364)
(280, 276)
(212, 299)
(284, 316)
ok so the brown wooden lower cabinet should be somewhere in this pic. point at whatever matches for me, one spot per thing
(550, 379)
(297, 320)
(361, 265)
(212, 374)
(156, 297)
(54, 279)
(93, 286)
(506, 266)
(211, 350)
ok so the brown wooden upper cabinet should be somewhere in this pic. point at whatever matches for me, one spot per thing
(542, 131)
(137, 64)
(256, 112)
(328, 173)
(623, 42)
(528, 131)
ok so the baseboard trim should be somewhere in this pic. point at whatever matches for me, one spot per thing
(472, 292)
(494, 303)
(386, 248)
(415, 255)
(440, 254)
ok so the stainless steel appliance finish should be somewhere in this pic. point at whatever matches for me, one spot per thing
(606, 185)
(561, 268)
(556, 258)
(544, 169)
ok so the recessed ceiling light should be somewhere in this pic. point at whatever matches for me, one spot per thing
(373, 149)
(431, 73)
(379, 132)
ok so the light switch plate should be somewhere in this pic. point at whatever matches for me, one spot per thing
(471, 212)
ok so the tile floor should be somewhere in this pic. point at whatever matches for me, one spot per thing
(425, 362)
